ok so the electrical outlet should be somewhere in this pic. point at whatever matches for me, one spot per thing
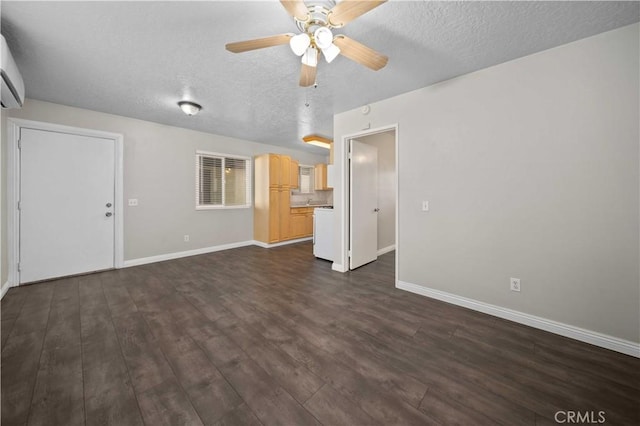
(186, 238)
(515, 284)
(133, 202)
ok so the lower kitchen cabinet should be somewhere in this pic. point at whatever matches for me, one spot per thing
(301, 222)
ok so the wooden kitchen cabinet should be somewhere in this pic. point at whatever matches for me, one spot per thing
(301, 222)
(271, 209)
(295, 174)
(320, 174)
(279, 170)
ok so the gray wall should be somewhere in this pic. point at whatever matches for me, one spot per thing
(531, 168)
(159, 170)
(386, 144)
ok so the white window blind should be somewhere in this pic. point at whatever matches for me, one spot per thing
(306, 180)
(222, 181)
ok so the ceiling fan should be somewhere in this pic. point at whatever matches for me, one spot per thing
(315, 20)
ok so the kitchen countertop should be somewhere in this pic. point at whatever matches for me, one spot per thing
(297, 206)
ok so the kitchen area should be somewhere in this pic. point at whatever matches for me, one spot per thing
(293, 202)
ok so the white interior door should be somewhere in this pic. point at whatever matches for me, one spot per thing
(67, 195)
(363, 199)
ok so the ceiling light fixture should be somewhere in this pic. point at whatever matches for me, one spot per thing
(318, 141)
(189, 108)
(316, 19)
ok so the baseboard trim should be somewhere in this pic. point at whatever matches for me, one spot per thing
(205, 250)
(598, 339)
(283, 243)
(338, 267)
(4, 289)
(386, 249)
(178, 255)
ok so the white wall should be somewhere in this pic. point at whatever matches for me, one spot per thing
(159, 170)
(386, 144)
(4, 271)
(531, 168)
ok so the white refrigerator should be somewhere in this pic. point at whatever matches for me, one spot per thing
(323, 233)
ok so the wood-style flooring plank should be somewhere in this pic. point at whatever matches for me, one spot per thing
(273, 336)
(20, 362)
(286, 371)
(10, 308)
(145, 361)
(108, 392)
(241, 416)
(167, 404)
(383, 407)
(270, 403)
(58, 396)
(331, 408)
(34, 314)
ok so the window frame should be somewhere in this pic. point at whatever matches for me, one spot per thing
(311, 182)
(224, 157)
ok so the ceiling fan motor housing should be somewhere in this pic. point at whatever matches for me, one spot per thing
(318, 16)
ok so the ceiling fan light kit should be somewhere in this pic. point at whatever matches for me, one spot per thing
(315, 19)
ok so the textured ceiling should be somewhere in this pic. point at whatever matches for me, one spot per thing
(138, 59)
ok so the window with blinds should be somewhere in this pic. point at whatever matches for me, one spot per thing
(222, 181)
(306, 180)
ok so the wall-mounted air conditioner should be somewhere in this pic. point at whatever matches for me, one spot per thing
(12, 95)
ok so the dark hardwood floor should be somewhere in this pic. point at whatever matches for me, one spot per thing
(255, 336)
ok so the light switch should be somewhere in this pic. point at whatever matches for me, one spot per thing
(133, 202)
(425, 206)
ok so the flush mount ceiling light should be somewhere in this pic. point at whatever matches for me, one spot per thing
(318, 141)
(315, 19)
(189, 108)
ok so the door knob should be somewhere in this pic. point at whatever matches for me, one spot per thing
(108, 204)
(108, 214)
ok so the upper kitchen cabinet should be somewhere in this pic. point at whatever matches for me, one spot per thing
(320, 174)
(279, 170)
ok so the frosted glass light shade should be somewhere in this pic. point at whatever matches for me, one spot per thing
(310, 57)
(189, 108)
(300, 43)
(323, 37)
(331, 52)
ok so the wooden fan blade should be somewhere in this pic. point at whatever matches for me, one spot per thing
(307, 75)
(348, 10)
(258, 43)
(360, 53)
(296, 8)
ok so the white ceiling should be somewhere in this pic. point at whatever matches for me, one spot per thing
(138, 59)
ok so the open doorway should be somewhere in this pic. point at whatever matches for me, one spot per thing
(372, 195)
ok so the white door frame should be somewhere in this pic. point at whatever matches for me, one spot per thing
(344, 240)
(14, 125)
